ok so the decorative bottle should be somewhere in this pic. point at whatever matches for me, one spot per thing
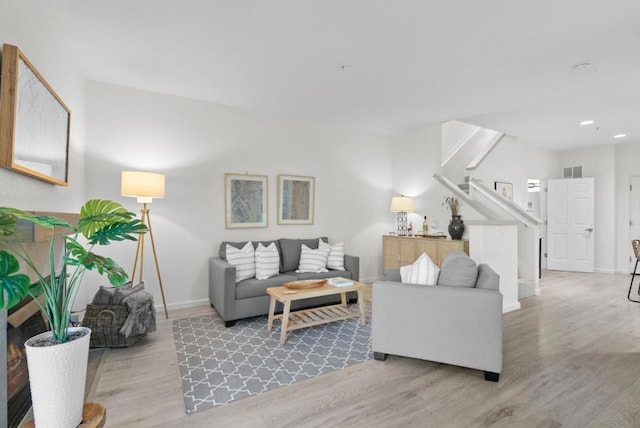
(425, 226)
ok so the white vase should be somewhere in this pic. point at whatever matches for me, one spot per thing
(57, 375)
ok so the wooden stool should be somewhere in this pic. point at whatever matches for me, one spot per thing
(94, 415)
(636, 250)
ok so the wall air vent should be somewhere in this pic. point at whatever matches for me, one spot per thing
(572, 171)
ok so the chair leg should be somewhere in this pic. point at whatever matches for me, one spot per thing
(491, 376)
(380, 356)
(633, 275)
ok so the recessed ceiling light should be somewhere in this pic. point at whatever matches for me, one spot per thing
(586, 122)
(582, 66)
(619, 135)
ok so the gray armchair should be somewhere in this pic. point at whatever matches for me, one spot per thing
(448, 324)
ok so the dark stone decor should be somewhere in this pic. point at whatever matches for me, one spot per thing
(219, 364)
(456, 227)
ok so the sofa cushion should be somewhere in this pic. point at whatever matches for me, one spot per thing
(243, 259)
(423, 271)
(222, 252)
(290, 251)
(458, 270)
(336, 256)
(267, 261)
(253, 287)
(487, 278)
(313, 260)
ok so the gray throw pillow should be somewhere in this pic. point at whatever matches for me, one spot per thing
(121, 293)
(458, 270)
(104, 296)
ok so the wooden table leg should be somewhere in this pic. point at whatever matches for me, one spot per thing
(363, 318)
(272, 310)
(285, 321)
(343, 299)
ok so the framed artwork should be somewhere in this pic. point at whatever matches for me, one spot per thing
(34, 122)
(295, 199)
(504, 189)
(245, 201)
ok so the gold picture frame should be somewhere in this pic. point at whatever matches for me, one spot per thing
(34, 122)
(296, 199)
(245, 201)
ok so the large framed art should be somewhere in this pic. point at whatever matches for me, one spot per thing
(34, 122)
(245, 201)
(295, 199)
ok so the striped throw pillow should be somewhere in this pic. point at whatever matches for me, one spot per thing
(313, 260)
(423, 271)
(336, 255)
(267, 261)
(244, 261)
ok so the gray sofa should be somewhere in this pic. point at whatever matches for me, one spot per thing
(249, 298)
(457, 322)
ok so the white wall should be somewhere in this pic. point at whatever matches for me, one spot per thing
(627, 166)
(195, 143)
(600, 162)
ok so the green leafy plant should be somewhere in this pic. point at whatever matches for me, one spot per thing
(453, 204)
(101, 222)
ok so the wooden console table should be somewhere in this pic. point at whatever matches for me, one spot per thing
(403, 250)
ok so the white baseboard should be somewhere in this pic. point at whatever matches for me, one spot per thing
(182, 305)
(512, 307)
(607, 271)
(369, 280)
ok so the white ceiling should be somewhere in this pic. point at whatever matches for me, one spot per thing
(502, 64)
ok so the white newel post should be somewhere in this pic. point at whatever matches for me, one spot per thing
(496, 244)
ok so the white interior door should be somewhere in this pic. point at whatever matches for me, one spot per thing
(570, 235)
(634, 218)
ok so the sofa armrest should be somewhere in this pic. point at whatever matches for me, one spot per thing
(352, 264)
(460, 326)
(222, 287)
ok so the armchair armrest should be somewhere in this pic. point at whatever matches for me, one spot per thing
(352, 264)
(222, 287)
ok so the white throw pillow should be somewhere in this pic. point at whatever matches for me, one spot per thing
(244, 261)
(336, 255)
(267, 261)
(423, 271)
(313, 260)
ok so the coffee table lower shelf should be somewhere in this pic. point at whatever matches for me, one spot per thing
(313, 316)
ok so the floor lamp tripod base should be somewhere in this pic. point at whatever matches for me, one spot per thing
(146, 219)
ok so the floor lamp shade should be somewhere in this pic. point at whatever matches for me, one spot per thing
(143, 185)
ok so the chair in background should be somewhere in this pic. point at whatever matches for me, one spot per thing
(636, 250)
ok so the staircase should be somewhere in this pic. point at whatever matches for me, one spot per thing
(464, 148)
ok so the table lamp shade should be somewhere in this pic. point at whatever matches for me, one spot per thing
(402, 204)
(143, 185)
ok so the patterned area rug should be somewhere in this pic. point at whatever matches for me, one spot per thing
(219, 365)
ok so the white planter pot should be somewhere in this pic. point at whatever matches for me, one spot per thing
(57, 375)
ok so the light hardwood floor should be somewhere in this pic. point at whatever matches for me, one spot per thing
(571, 358)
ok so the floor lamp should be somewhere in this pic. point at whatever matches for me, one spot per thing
(145, 186)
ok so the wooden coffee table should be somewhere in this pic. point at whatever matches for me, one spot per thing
(314, 316)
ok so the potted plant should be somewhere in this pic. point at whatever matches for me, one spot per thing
(57, 370)
(456, 225)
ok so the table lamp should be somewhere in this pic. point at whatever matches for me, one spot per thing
(402, 205)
